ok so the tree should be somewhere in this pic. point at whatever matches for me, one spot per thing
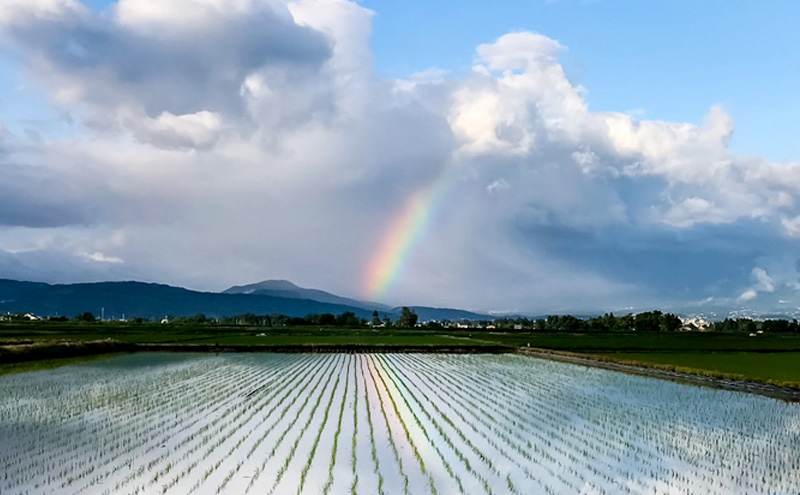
(87, 317)
(376, 320)
(349, 319)
(408, 318)
(326, 319)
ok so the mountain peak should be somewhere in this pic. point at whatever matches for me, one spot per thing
(266, 285)
(284, 288)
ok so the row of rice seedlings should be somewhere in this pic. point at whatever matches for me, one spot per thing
(561, 413)
(288, 459)
(189, 416)
(455, 432)
(249, 407)
(494, 418)
(425, 429)
(322, 428)
(487, 431)
(552, 429)
(110, 439)
(497, 416)
(644, 429)
(555, 445)
(166, 452)
(389, 437)
(87, 439)
(204, 435)
(353, 440)
(371, 429)
(326, 488)
(288, 386)
(484, 424)
(656, 437)
(399, 416)
(285, 389)
(316, 381)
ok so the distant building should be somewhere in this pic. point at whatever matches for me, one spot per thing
(694, 324)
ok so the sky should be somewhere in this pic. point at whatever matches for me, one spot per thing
(526, 157)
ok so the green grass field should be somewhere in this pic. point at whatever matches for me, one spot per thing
(764, 358)
(243, 335)
(771, 367)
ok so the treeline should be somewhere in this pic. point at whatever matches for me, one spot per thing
(650, 321)
(647, 322)
(407, 319)
(747, 325)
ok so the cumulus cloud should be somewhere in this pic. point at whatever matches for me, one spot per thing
(255, 133)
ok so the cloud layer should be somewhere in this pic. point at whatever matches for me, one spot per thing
(216, 143)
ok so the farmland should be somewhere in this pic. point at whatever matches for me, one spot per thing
(775, 367)
(383, 423)
(768, 358)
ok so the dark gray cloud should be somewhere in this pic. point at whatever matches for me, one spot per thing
(32, 197)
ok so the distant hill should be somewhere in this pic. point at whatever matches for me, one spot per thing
(284, 288)
(148, 300)
(138, 299)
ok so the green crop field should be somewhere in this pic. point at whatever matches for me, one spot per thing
(768, 357)
(775, 367)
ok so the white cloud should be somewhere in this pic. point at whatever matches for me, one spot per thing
(497, 186)
(200, 130)
(102, 258)
(193, 14)
(747, 295)
(523, 51)
(764, 282)
(530, 105)
(791, 226)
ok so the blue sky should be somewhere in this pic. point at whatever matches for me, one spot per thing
(597, 155)
(671, 60)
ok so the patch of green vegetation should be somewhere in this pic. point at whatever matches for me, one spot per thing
(782, 368)
(767, 357)
(594, 342)
(618, 342)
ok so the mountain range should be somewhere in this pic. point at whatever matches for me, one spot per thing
(148, 300)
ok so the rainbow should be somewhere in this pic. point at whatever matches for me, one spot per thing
(404, 233)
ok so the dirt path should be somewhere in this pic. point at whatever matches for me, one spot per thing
(774, 391)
